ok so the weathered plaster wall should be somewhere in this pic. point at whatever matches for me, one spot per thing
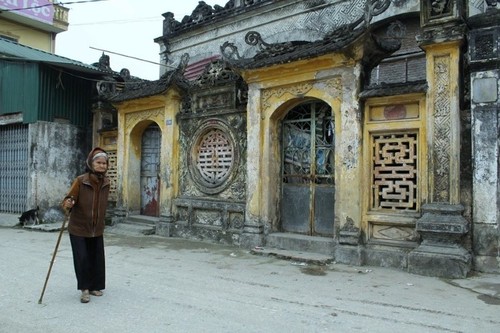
(484, 56)
(134, 117)
(485, 88)
(279, 22)
(486, 169)
(272, 92)
(57, 155)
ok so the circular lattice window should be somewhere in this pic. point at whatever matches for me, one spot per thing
(213, 157)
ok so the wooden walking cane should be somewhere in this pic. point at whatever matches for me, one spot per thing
(66, 218)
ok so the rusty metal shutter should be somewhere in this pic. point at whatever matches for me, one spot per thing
(13, 168)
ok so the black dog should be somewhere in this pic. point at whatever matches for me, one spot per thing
(29, 217)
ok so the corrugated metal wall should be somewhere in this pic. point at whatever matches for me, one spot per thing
(44, 92)
(19, 88)
(65, 95)
(13, 168)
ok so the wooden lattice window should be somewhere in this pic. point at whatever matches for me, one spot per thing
(394, 171)
(112, 175)
(214, 156)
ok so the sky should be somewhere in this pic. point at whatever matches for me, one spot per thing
(126, 27)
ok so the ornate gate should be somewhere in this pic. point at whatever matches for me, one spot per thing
(150, 170)
(308, 191)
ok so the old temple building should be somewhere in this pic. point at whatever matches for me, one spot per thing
(365, 130)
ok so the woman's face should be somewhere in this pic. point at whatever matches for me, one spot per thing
(100, 165)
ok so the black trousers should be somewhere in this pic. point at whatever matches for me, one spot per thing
(88, 259)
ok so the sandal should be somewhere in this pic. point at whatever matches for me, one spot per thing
(96, 293)
(85, 298)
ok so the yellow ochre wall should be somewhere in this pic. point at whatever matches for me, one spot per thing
(443, 122)
(28, 36)
(133, 118)
(275, 90)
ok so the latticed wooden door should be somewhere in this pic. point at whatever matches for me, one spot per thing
(150, 171)
(395, 168)
(308, 191)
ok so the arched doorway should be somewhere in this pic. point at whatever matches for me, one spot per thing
(150, 170)
(307, 169)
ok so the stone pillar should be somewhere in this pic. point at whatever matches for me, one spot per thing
(442, 226)
(484, 53)
(253, 228)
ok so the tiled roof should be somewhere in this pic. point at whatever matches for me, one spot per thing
(394, 89)
(144, 88)
(297, 52)
(12, 50)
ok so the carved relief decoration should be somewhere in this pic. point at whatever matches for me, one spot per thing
(216, 73)
(436, 12)
(440, 7)
(212, 155)
(217, 88)
(298, 90)
(334, 88)
(442, 129)
(131, 119)
(394, 233)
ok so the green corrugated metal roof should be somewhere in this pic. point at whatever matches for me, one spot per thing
(13, 50)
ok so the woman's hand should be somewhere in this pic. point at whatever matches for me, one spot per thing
(68, 203)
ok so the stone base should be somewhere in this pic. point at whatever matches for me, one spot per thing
(387, 256)
(119, 216)
(182, 229)
(441, 253)
(437, 261)
(164, 226)
(252, 235)
(301, 243)
(163, 229)
(349, 255)
(249, 241)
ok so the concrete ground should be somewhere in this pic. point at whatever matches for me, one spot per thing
(157, 284)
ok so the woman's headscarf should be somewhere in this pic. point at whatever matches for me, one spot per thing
(95, 153)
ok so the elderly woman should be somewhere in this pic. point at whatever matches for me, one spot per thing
(87, 200)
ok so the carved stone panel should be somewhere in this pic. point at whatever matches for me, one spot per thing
(212, 157)
(441, 11)
(442, 130)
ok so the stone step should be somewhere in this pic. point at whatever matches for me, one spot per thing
(142, 219)
(132, 229)
(300, 243)
(308, 258)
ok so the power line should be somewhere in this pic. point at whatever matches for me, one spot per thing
(50, 4)
(123, 21)
(127, 56)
